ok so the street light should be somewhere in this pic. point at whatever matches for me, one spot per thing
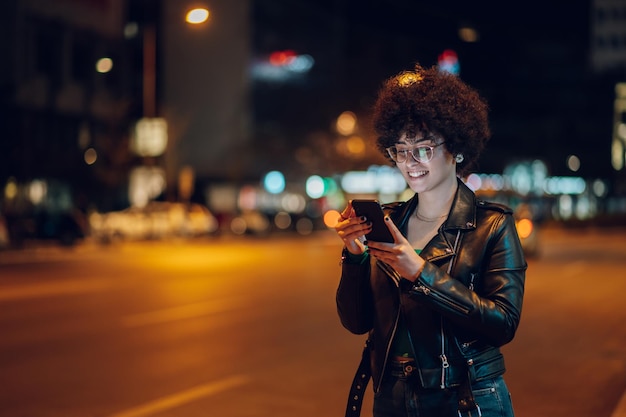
(194, 16)
(197, 16)
(150, 134)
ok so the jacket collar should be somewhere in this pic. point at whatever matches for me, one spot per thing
(462, 216)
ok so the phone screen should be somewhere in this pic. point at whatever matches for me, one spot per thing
(372, 210)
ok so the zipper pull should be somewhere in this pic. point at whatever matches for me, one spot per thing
(422, 289)
(444, 365)
(444, 361)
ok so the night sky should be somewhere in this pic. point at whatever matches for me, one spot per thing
(531, 63)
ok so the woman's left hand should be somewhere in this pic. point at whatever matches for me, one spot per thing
(400, 255)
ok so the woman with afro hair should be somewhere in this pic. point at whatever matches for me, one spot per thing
(440, 300)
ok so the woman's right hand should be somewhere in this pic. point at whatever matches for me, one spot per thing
(350, 228)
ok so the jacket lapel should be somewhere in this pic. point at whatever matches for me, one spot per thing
(462, 217)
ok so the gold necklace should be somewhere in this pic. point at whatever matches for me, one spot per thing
(428, 220)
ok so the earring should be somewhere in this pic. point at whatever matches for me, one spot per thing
(459, 158)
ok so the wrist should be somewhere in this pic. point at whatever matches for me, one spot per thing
(348, 257)
(417, 274)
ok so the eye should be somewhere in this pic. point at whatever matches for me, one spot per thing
(422, 151)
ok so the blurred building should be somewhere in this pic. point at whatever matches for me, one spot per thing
(55, 105)
(260, 86)
(608, 55)
(608, 35)
(72, 88)
(205, 87)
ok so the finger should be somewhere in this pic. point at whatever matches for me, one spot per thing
(397, 235)
(355, 246)
(351, 231)
(347, 211)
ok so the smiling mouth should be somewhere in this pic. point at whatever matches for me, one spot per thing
(417, 174)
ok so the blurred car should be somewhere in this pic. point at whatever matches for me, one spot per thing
(65, 227)
(157, 220)
(527, 229)
(526, 215)
(4, 233)
(250, 222)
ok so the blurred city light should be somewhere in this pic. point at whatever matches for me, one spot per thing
(131, 30)
(104, 65)
(448, 61)
(618, 154)
(291, 61)
(302, 64)
(282, 220)
(293, 203)
(304, 226)
(281, 66)
(249, 222)
(474, 182)
(599, 188)
(468, 34)
(238, 226)
(355, 146)
(158, 219)
(10, 189)
(376, 180)
(524, 228)
(618, 147)
(346, 123)
(314, 186)
(37, 191)
(331, 218)
(527, 176)
(573, 163)
(145, 184)
(90, 156)
(564, 185)
(282, 58)
(274, 182)
(197, 16)
(565, 207)
(351, 147)
(149, 136)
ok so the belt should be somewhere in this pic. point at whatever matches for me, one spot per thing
(467, 405)
(403, 368)
(359, 383)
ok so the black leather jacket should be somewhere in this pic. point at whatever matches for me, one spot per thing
(464, 305)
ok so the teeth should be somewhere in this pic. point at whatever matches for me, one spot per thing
(417, 174)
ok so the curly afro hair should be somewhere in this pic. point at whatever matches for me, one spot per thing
(431, 101)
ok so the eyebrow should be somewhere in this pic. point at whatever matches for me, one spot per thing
(424, 139)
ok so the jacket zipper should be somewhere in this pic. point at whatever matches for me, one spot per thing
(388, 349)
(444, 359)
(441, 299)
(396, 278)
(471, 284)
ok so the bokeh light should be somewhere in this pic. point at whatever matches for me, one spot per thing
(104, 65)
(197, 16)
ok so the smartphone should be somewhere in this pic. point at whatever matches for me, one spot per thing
(372, 210)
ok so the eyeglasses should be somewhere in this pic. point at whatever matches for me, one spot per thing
(422, 153)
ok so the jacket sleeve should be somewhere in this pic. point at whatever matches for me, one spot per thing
(354, 297)
(494, 313)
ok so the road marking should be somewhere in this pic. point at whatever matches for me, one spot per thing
(183, 397)
(50, 289)
(179, 313)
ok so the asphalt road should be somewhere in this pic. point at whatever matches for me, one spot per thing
(247, 328)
